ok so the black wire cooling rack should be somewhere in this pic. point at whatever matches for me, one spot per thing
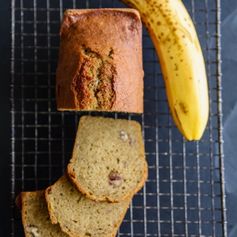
(184, 194)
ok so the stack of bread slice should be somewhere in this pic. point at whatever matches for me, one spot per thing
(107, 168)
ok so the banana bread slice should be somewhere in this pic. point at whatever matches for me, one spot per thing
(108, 161)
(79, 216)
(35, 216)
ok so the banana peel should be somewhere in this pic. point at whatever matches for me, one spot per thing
(182, 63)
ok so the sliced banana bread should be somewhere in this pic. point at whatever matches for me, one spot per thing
(35, 216)
(79, 216)
(108, 161)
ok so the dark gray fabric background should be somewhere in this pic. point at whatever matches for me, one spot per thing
(229, 68)
(4, 118)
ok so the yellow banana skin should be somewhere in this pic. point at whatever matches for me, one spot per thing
(182, 64)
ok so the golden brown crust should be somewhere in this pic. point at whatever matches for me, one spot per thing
(51, 215)
(19, 202)
(100, 61)
(72, 177)
(35, 217)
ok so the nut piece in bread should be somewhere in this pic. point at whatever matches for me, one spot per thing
(35, 216)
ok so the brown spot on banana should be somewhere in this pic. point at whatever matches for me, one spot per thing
(176, 67)
(182, 35)
(183, 107)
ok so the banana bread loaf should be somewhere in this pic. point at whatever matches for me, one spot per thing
(100, 61)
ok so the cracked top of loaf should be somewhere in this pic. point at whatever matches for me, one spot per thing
(100, 61)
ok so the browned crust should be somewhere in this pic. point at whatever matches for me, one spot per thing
(20, 199)
(72, 176)
(127, 97)
(51, 215)
(54, 220)
(70, 13)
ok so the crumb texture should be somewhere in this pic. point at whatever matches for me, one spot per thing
(108, 162)
(93, 85)
(35, 216)
(82, 217)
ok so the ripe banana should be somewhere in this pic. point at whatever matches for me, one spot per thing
(182, 63)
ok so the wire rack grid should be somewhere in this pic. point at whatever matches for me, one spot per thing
(184, 194)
